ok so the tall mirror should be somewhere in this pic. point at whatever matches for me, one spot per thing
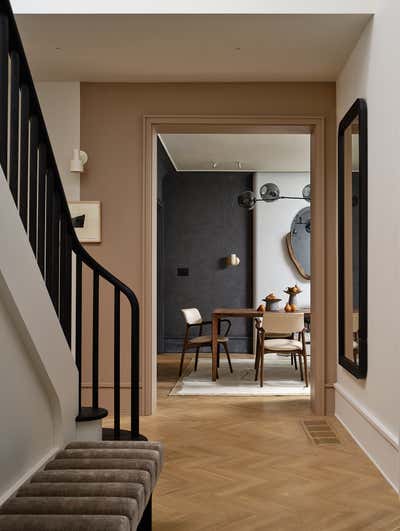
(298, 242)
(353, 233)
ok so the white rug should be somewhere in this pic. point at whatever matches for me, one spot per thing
(280, 379)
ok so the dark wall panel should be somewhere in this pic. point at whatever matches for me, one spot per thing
(202, 225)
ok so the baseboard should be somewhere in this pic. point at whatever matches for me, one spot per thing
(38, 466)
(380, 445)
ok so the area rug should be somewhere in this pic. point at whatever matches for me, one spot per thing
(280, 379)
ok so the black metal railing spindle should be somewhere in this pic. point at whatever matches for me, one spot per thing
(14, 125)
(65, 279)
(33, 181)
(49, 232)
(117, 362)
(55, 249)
(41, 208)
(24, 154)
(95, 341)
(134, 368)
(78, 324)
(4, 49)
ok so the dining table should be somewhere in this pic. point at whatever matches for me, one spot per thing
(247, 313)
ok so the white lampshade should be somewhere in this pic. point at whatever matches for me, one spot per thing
(79, 159)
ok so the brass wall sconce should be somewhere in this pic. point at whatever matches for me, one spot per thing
(232, 260)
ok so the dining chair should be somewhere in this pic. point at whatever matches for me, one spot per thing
(282, 324)
(258, 325)
(193, 318)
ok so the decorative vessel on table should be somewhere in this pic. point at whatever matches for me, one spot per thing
(271, 303)
(292, 291)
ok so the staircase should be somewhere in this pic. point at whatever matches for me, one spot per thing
(28, 162)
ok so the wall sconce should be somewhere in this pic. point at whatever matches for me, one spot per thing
(232, 260)
(79, 159)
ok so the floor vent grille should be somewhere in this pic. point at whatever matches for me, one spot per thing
(320, 432)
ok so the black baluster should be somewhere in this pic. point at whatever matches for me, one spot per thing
(24, 147)
(78, 325)
(95, 341)
(117, 364)
(4, 38)
(41, 214)
(14, 125)
(33, 181)
(65, 279)
(134, 371)
(56, 251)
(49, 231)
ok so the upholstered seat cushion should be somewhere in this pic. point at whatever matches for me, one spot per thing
(131, 445)
(282, 345)
(63, 522)
(74, 505)
(206, 340)
(134, 491)
(96, 476)
(101, 464)
(113, 453)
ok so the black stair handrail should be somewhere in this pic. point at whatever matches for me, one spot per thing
(29, 164)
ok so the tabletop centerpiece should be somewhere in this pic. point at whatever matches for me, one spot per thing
(292, 291)
(271, 303)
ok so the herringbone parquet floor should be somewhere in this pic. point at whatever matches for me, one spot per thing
(245, 464)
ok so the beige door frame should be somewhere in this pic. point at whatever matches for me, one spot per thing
(153, 125)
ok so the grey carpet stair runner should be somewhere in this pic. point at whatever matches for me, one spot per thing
(89, 486)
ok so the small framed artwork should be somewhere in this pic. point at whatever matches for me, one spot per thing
(86, 218)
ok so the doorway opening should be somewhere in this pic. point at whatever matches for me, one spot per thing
(313, 127)
(234, 232)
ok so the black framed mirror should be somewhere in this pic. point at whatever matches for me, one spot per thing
(353, 240)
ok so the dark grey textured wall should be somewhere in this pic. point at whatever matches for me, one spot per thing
(202, 225)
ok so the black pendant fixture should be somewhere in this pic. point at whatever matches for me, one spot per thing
(269, 193)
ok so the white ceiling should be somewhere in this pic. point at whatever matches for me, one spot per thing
(203, 6)
(191, 48)
(255, 152)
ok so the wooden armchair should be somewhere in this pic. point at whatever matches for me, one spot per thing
(282, 324)
(193, 318)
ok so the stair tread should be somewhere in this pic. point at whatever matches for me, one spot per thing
(91, 413)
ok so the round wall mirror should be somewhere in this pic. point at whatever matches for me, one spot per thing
(299, 242)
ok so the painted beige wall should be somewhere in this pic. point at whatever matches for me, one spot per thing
(111, 131)
(60, 102)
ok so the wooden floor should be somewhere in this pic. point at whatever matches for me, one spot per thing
(247, 464)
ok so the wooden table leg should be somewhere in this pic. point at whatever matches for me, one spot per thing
(214, 346)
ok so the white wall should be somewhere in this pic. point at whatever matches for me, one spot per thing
(26, 417)
(372, 72)
(60, 103)
(274, 270)
(38, 376)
